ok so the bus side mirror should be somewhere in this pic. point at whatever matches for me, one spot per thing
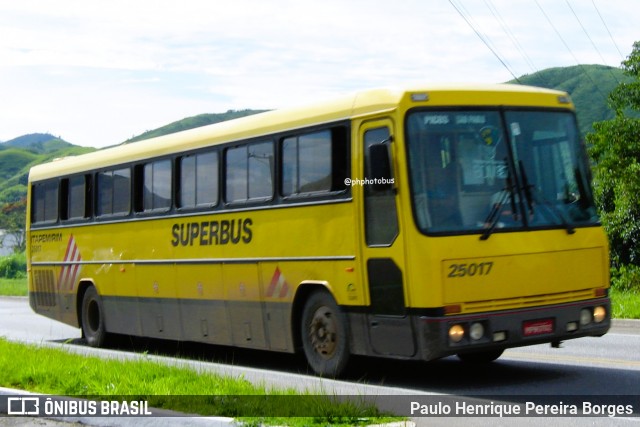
(380, 167)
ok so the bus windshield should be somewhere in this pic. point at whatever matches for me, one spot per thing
(477, 170)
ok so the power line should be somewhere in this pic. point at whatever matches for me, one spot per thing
(480, 30)
(604, 61)
(569, 49)
(607, 27)
(494, 11)
(557, 32)
(484, 40)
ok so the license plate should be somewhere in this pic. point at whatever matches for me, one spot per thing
(537, 327)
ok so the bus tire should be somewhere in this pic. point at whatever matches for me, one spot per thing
(93, 326)
(324, 335)
(481, 356)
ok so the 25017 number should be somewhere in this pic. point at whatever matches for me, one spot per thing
(470, 269)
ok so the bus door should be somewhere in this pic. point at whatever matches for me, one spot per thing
(390, 328)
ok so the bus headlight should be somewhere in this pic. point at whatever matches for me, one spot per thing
(585, 316)
(599, 313)
(476, 331)
(456, 333)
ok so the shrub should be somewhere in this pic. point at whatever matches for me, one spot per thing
(626, 278)
(13, 266)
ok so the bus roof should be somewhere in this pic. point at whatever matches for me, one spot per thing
(351, 106)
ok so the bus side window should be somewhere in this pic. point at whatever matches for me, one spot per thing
(45, 202)
(314, 163)
(153, 186)
(306, 164)
(76, 198)
(249, 172)
(198, 180)
(113, 195)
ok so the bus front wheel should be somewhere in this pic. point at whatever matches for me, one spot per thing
(324, 335)
(93, 328)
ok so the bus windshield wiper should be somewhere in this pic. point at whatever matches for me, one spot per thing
(494, 215)
(538, 197)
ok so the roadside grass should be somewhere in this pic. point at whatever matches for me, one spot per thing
(13, 287)
(59, 372)
(625, 304)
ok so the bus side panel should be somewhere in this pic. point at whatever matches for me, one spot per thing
(200, 292)
(242, 296)
(277, 293)
(158, 303)
(121, 306)
(114, 279)
(156, 280)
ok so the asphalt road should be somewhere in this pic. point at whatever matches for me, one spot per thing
(586, 367)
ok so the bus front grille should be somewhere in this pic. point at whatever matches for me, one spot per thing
(528, 301)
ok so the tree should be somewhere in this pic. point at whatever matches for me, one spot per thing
(12, 221)
(615, 149)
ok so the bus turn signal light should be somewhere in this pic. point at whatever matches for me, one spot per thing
(452, 309)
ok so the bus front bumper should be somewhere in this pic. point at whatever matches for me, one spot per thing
(486, 332)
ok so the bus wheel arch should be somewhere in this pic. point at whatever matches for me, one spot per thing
(322, 330)
(303, 291)
(91, 315)
(82, 288)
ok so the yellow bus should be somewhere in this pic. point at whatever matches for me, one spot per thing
(412, 223)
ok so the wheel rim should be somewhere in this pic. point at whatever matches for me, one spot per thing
(323, 331)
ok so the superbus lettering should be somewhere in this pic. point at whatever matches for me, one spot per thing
(206, 233)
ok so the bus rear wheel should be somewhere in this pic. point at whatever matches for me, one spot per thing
(481, 356)
(324, 335)
(93, 327)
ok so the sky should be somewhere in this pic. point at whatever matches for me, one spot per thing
(96, 73)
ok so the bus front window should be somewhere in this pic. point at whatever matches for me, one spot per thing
(552, 167)
(460, 171)
(476, 170)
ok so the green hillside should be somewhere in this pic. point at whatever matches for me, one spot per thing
(38, 143)
(588, 85)
(18, 155)
(193, 122)
(13, 160)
